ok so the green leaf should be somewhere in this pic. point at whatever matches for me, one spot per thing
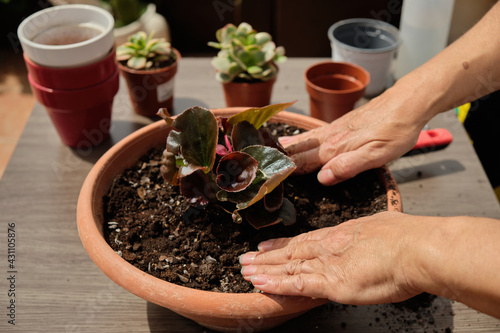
(198, 136)
(258, 116)
(161, 48)
(262, 38)
(254, 70)
(236, 171)
(137, 62)
(215, 45)
(250, 40)
(244, 28)
(275, 167)
(223, 77)
(221, 64)
(124, 52)
(269, 49)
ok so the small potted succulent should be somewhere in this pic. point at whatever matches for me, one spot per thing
(246, 64)
(148, 65)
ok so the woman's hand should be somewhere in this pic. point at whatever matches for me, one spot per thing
(362, 139)
(361, 261)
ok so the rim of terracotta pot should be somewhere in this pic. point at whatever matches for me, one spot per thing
(150, 71)
(232, 309)
(363, 71)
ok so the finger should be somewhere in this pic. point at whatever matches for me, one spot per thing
(292, 267)
(294, 139)
(307, 161)
(298, 250)
(349, 164)
(273, 244)
(303, 145)
(311, 285)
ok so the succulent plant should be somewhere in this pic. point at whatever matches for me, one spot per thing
(143, 52)
(233, 162)
(245, 54)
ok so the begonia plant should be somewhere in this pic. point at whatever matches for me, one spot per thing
(234, 162)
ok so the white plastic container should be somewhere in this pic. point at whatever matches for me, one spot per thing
(424, 30)
(368, 43)
(67, 35)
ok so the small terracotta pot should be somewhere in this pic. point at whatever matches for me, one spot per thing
(72, 77)
(228, 312)
(150, 90)
(257, 94)
(82, 117)
(334, 88)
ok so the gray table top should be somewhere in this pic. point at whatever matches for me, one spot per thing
(59, 289)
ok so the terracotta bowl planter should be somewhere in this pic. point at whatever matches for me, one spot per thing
(248, 94)
(334, 88)
(229, 312)
(150, 90)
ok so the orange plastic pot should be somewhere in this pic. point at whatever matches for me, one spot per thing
(334, 88)
(228, 312)
(256, 94)
(150, 90)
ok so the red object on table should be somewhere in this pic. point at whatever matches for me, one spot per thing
(431, 140)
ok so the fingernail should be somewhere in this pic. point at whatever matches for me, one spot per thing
(248, 270)
(247, 258)
(325, 176)
(265, 245)
(259, 280)
(284, 140)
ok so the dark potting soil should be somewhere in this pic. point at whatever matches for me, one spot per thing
(151, 226)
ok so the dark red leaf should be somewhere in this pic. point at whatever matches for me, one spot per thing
(273, 200)
(270, 140)
(197, 188)
(236, 171)
(245, 134)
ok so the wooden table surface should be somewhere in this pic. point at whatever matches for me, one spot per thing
(59, 289)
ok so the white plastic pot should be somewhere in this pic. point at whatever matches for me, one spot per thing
(368, 43)
(67, 35)
(425, 26)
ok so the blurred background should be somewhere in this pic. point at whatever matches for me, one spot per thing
(300, 26)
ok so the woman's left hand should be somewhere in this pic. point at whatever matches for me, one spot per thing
(361, 261)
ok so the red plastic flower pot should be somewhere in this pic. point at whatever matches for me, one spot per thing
(334, 88)
(73, 77)
(82, 117)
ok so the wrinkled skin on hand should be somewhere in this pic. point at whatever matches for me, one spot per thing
(362, 139)
(361, 261)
